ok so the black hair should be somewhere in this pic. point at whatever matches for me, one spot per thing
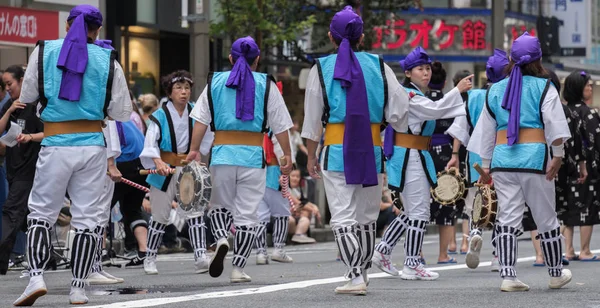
(554, 79)
(16, 71)
(574, 85)
(438, 76)
(460, 75)
(177, 76)
(535, 69)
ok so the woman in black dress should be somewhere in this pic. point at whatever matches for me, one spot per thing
(577, 200)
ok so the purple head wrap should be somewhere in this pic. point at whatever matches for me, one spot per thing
(415, 58)
(73, 56)
(494, 69)
(525, 49)
(243, 51)
(359, 157)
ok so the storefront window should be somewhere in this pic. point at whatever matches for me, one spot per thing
(435, 3)
(146, 11)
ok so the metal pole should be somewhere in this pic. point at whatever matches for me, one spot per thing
(498, 24)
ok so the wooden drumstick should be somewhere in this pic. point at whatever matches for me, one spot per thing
(285, 191)
(153, 171)
(484, 176)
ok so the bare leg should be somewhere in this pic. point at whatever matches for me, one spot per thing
(569, 249)
(451, 244)
(141, 233)
(539, 256)
(464, 247)
(292, 226)
(586, 237)
(302, 226)
(446, 235)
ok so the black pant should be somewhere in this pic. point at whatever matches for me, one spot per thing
(14, 219)
(130, 199)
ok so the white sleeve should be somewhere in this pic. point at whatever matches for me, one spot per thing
(396, 110)
(555, 121)
(312, 128)
(278, 116)
(460, 130)
(151, 149)
(207, 141)
(277, 148)
(201, 110)
(29, 87)
(120, 106)
(450, 106)
(113, 144)
(483, 139)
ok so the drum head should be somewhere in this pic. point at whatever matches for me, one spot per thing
(193, 189)
(186, 189)
(477, 205)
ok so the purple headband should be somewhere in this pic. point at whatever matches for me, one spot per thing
(525, 49)
(73, 56)
(415, 58)
(359, 157)
(243, 50)
(495, 66)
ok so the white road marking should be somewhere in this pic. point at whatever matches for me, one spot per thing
(268, 289)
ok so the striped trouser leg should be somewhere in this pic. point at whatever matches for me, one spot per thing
(506, 239)
(97, 266)
(242, 245)
(220, 222)
(280, 230)
(38, 246)
(156, 230)
(197, 233)
(474, 230)
(350, 250)
(366, 236)
(261, 238)
(552, 248)
(82, 256)
(414, 241)
(494, 242)
(392, 235)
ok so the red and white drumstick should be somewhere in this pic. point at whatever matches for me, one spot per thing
(133, 184)
(154, 171)
(285, 185)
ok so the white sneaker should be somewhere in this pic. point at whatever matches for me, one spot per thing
(202, 264)
(238, 275)
(495, 264)
(384, 263)
(513, 286)
(365, 274)
(215, 268)
(279, 255)
(418, 273)
(99, 279)
(559, 282)
(303, 239)
(262, 258)
(35, 289)
(349, 288)
(150, 266)
(77, 296)
(475, 244)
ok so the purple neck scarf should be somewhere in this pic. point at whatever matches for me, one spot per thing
(243, 51)
(494, 69)
(104, 44)
(359, 157)
(73, 56)
(525, 49)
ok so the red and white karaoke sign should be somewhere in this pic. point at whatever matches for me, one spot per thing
(25, 27)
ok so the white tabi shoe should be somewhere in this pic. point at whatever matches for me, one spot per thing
(150, 266)
(215, 269)
(99, 279)
(77, 296)
(475, 244)
(238, 275)
(35, 289)
(495, 264)
(559, 282)
(202, 264)
(354, 289)
(516, 285)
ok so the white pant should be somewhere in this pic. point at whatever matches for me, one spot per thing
(469, 199)
(416, 193)
(515, 189)
(239, 190)
(273, 204)
(351, 204)
(105, 200)
(160, 201)
(80, 171)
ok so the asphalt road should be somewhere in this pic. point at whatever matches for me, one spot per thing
(311, 279)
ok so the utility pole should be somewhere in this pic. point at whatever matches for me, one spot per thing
(498, 24)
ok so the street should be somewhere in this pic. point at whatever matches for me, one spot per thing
(311, 279)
